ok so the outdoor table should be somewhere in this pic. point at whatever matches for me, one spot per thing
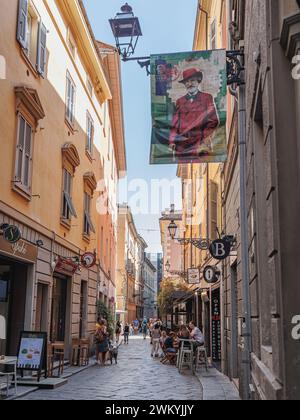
(10, 361)
(182, 342)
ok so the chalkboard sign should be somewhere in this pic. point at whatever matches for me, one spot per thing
(32, 353)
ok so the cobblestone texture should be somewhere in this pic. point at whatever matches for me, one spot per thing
(136, 377)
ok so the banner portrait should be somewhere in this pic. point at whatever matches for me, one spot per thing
(189, 108)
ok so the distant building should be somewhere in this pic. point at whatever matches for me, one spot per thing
(157, 261)
(150, 289)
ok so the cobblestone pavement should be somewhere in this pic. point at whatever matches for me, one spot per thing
(136, 377)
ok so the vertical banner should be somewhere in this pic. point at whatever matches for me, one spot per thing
(189, 107)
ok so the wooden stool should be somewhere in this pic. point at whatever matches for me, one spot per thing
(201, 354)
(186, 357)
(75, 351)
(84, 352)
(59, 357)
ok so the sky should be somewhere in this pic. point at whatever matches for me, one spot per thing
(168, 26)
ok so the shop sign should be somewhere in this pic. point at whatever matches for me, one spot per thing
(88, 260)
(11, 234)
(220, 249)
(211, 274)
(66, 266)
(194, 276)
(216, 326)
(32, 352)
(22, 250)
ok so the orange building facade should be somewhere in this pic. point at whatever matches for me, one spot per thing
(62, 152)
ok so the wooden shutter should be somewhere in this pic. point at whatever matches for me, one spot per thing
(27, 155)
(22, 23)
(41, 50)
(20, 148)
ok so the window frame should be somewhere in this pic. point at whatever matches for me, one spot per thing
(68, 209)
(90, 132)
(70, 119)
(19, 181)
(88, 225)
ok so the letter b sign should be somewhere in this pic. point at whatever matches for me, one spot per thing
(220, 249)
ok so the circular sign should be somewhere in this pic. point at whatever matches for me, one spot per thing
(12, 234)
(220, 249)
(211, 275)
(88, 260)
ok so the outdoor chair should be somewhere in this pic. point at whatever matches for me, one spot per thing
(84, 352)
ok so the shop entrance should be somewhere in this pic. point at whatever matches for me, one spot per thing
(59, 306)
(13, 288)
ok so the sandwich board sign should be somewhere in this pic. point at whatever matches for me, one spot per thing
(32, 353)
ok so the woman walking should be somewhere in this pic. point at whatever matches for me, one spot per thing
(155, 338)
(126, 333)
(118, 331)
(101, 342)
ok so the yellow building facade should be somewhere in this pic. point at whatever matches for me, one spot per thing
(202, 191)
(54, 124)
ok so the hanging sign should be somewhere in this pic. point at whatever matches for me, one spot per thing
(88, 260)
(189, 107)
(211, 274)
(220, 249)
(194, 276)
(66, 266)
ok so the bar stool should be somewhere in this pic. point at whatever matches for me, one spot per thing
(186, 357)
(201, 354)
(84, 352)
(59, 357)
(75, 351)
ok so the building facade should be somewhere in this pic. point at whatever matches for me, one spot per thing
(130, 262)
(269, 31)
(52, 122)
(150, 289)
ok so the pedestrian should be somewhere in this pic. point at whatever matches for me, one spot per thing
(151, 327)
(126, 333)
(101, 341)
(136, 325)
(156, 334)
(162, 342)
(118, 331)
(145, 328)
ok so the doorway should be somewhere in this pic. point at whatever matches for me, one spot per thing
(13, 288)
(41, 319)
(59, 309)
(83, 309)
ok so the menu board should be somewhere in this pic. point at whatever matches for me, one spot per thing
(32, 349)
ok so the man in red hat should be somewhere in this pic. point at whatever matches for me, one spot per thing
(195, 119)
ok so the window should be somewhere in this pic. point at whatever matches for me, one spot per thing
(24, 154)
(213, 35)
(89, 86)
(68, 209)
(32, 36)
(70, 100)
(88, 224)
(90, 134)
(71, 44)
(213, 210)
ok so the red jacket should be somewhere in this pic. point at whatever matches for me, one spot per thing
(193, 122)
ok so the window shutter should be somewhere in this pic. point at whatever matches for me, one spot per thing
(27, 156)
(41, 50)
(22, 23)
(20, 149)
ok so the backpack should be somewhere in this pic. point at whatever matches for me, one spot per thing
(99, 337)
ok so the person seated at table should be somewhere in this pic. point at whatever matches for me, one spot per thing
(184, 333)
(170, 349)
(196, 335)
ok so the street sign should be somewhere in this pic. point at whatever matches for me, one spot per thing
(12, 234)
(194, 276)
(211, 274)
(220, 249)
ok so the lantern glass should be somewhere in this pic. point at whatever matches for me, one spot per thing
(172, 229)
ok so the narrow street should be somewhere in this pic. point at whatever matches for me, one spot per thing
(136, 377)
